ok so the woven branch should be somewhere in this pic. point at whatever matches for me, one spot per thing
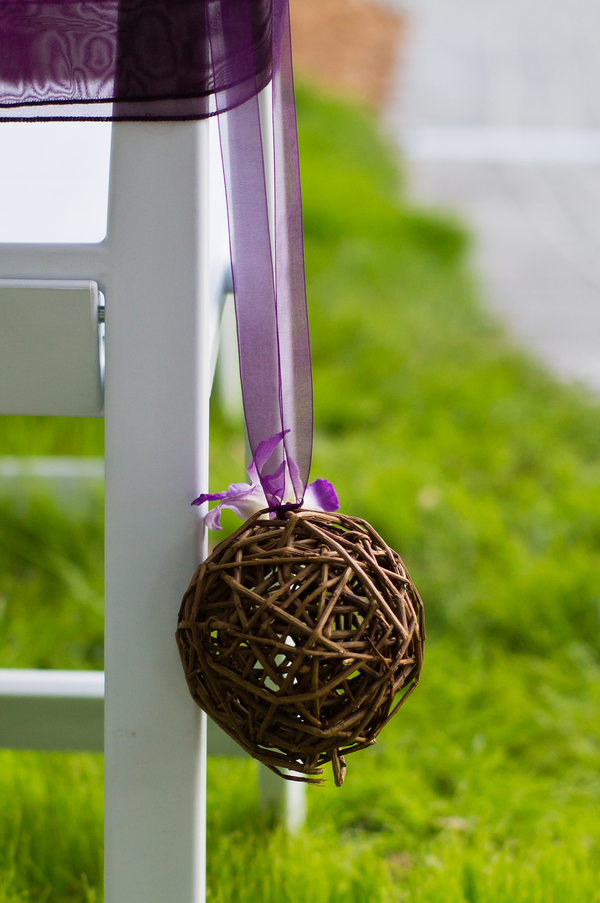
(301, 637)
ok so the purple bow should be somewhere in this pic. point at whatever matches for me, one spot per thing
(246, 499)
(186, 59)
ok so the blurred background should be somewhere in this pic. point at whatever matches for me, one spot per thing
(495, 108)
(450, 162)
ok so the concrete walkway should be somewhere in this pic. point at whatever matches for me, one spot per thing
(497, 109)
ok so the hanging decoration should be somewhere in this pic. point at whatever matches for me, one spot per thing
(302, 634)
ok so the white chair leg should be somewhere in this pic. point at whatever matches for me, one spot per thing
(286, 799)
(156, 414)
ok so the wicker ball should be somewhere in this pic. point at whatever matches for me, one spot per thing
(301, 637)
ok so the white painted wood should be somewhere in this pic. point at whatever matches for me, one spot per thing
(51, 359)
(54, 261)
(75, 485)
(154, 269)
(51, 709)
(53, 181)
(156, 738)
(156, 411)
(296, 805)
(155, 274)
(228, 367)
(52, 468)
(23, 682)
(64, 710)
(218, 238)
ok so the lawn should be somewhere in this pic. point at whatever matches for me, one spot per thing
(483, 472)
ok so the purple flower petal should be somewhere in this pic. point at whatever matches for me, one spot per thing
(242, 498)
(282, 486)
(321, 496)
(239, 489)
(209, 497)
(213, 519)
(248, 503)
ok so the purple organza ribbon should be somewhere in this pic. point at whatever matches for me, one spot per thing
(272, 320)
(188, 59)
(74, 59)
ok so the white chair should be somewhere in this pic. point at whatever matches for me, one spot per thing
(159, 269)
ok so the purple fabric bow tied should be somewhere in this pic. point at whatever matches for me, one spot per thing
(189, 59)
(270, 296)
(246, 499)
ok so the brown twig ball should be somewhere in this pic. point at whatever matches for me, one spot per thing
(301, 637)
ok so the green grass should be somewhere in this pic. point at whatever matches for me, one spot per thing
(51, 587)
(50, 827)
(52, 436)
(483, 472)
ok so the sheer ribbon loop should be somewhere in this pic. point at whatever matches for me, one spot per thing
(189, 59)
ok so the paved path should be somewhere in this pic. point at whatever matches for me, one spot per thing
(497, 108)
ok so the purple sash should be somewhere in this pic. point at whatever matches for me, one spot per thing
(187, 59)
